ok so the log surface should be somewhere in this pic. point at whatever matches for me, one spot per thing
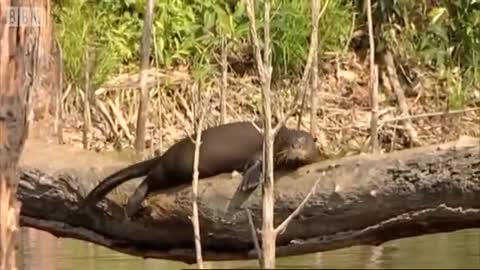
(360, 200)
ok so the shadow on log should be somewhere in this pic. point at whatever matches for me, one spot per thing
(360, 200)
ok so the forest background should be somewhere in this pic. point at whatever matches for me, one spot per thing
(432, 49)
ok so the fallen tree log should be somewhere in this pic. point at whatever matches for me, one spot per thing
(360, 200)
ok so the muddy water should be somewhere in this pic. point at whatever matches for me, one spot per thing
(458, 250)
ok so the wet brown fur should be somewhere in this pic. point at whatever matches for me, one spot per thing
(224, 148)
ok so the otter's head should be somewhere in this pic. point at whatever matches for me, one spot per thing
(299, 146)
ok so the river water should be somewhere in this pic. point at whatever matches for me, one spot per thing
(457, 250)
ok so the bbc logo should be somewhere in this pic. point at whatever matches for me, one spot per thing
(24, 16)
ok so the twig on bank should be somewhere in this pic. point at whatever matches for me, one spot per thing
(160, 113)
(58, 124)
(410, 117)
(314, 89)
(254, 237)
(264, 67)
(144, 64)
(224, 87)
(87, 120)
(397, 88)
(373, 82)
(316, 15)
(195, 218)
(121, 120)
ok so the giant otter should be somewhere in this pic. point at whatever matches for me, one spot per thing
(224, 148)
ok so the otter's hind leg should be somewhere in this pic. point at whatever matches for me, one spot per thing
(135, 201)
(252, 173)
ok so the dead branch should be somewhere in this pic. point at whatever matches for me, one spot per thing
(254, 237)
(373, 82)
(161, 116)
(432, 114)
(144, 63)
(265, 74)
(121, 120)
(314, 90)
(87, 118)
(417, 116)
(223, 89)
(195, 221)
(392, 74)
(283, 226)
(312, 53)
(58, 122)
(374, 110)
(104, 112)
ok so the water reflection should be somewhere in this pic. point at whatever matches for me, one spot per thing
(458, 250)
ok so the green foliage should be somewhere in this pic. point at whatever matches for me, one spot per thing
(457, 98)
(454, 27)
(291, 28)
(444, 35)
(187, 33)
(72, 36)
(112, 37)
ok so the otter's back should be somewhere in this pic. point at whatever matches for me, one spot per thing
(224, 148)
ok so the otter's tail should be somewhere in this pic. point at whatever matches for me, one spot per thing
(112, 181)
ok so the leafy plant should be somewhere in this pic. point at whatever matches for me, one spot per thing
(443, 34)
(186, 32)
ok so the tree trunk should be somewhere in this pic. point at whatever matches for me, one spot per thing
(19, 41)
(360, 200)
(48, 71)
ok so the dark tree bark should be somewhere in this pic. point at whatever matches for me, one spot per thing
(18, 66)
(361, 200)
